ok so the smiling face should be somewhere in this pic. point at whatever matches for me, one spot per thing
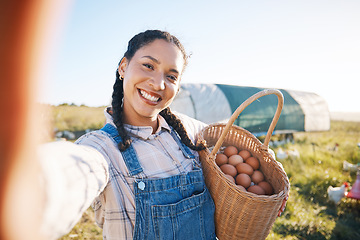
(151, 81)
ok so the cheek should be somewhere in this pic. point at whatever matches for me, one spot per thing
(172, 90)
(128, 92)
(129, 83)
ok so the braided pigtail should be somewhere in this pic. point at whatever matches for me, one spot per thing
(177, 125)
(117, 98)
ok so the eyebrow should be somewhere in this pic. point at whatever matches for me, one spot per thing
(158, 62)
(152, 58)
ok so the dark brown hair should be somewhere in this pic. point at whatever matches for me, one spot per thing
(138, 41)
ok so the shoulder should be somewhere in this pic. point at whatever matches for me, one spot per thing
(99, 140)
(192, 126)
(93, 136)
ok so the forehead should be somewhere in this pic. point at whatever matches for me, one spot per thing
(167, 54)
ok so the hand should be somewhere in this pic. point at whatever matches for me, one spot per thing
(283, 205)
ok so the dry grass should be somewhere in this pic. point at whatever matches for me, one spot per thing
(85, 229)
(74, 118)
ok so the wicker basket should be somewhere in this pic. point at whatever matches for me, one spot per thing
(239, 214)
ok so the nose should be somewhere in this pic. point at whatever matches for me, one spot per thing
(157, 82)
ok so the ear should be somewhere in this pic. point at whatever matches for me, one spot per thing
(122, 66)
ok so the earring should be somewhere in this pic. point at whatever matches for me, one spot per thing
(120, 77)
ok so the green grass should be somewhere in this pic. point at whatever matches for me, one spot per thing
(309, 214)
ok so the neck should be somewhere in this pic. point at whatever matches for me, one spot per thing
(152, 122)
(140, 117)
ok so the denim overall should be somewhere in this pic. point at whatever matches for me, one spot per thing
(176, 207)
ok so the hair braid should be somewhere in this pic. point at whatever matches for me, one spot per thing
(117, 98)
(175, 122)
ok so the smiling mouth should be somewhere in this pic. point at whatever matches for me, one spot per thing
(149, 97)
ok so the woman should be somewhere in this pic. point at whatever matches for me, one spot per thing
(143, 165)
(156, 187)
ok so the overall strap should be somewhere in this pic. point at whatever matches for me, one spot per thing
(129, 155)
(185, 149)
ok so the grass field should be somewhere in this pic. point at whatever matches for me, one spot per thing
(309, 214)
(76, 118)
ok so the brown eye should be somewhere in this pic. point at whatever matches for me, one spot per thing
(149, 66)
(172, 78)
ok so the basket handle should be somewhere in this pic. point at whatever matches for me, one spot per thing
(246, 103)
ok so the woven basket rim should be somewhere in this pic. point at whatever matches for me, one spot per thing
(211, 158)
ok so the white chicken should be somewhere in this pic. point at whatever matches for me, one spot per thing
(337, 193)
(281, 154)
(350, 167)
(293, 154)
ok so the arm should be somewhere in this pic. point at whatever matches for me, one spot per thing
(72, 175)
(193, 127)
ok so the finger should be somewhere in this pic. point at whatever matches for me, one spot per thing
(283, 205)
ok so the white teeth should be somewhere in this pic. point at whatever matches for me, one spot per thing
(148, 96)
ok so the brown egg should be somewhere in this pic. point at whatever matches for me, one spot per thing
(241, 188)
(221, 159)
(243, 180)
(254, 162)
(228, 169)
(230, 150)
(235, 160)
(256, 189)
(257, 176)
(267, 187)
(231, 178)
(244, 168)
(245, 154)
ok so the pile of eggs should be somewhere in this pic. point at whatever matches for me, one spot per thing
(243, 169)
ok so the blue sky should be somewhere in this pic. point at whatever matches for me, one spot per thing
(309, 46)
